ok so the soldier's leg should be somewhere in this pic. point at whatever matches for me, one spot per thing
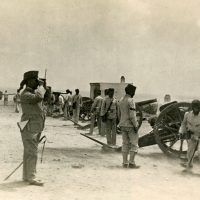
(190, 152)
(65, 112)
(114, 130)
(31, 158)
(108, 131)
(133, 140)
(99, 123)
(125, 146)
(77, 114)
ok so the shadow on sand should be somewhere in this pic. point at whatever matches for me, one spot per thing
(12, 186)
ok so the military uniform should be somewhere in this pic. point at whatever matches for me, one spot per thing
(32, 110)
(191, 123)
(111, 122)
(128, 124)
(96, 108)
(76, 104)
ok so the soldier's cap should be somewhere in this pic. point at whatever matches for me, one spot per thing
(67, 91)
(196, 102)
(130, 87)
(30, 74)
(111, 89)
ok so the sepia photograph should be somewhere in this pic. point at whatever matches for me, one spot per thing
(99, 99)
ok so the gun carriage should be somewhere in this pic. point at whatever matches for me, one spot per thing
(165, 129)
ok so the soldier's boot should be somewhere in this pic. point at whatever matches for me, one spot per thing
(125, 159)
(132, 161)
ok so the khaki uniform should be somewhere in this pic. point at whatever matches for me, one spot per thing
(111, 123)
(128, 123)
(5, 99)
(17, 102)
(191, 123)
(96, 109)
(77, 100)
(32, 110)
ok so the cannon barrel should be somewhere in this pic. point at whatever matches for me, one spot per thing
(142, 103)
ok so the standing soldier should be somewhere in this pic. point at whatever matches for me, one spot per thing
(109, 116)
(191, 127)
(66, 105)
(76, 105)
(32, 112)
(95, 110)
(103, 125)
(5, 98)
(128, 125)
(17, 101)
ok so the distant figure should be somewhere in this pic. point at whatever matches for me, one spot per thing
(109, 109)
(122, 80)
(129, 127)
(76, 105)
(61, 104)
(5, 98)
(17, 101)
(67, 103)
(96, 109)
(167, 98)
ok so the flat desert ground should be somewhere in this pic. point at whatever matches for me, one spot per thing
(76, 168)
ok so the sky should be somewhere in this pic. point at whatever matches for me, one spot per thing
(154, 44)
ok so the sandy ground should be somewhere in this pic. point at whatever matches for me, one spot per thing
(76, 168)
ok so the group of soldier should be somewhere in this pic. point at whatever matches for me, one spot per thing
(109, 112)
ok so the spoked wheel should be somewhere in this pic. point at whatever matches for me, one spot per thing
(166, 129)
(139, 115)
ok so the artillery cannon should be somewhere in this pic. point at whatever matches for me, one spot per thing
(165, 131)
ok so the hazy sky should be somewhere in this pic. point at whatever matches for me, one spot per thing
(153, 43)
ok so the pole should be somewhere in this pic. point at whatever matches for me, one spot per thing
(13, 171)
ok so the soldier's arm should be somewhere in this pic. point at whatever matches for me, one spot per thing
(132, 113)
(103, 107)
(94, 105)
(34, 98)
(183, 127)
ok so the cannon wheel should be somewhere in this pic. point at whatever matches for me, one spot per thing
(166, 130)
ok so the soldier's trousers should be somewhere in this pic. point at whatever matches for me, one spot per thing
(30, 143)
(192, 145)
(111, 129)
(99, 124)
(129, 140)
(76, 113)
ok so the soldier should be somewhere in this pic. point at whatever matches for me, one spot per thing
(109, 116)
(128, 125)
(103, 125)
(5, 98)
(17, 101)
(191, 126)
(76, 105)
(96, 109)
(66, 105)
(32, 112)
